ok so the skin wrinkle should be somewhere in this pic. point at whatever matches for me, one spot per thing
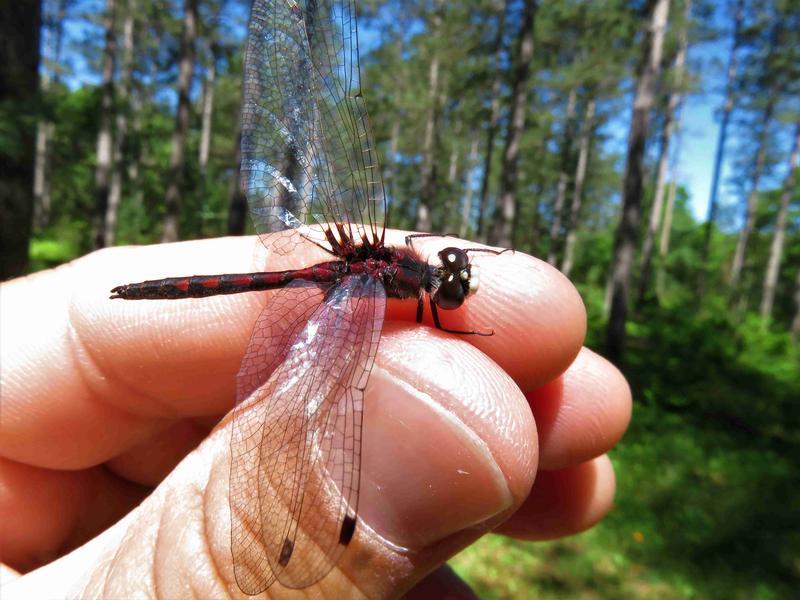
(75, 343)
(451, 416)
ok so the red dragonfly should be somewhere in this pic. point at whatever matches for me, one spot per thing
(311, 176)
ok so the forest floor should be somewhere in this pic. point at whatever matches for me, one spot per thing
(707, 480)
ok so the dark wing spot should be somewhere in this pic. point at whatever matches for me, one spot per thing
(348, 528)
(286, 552)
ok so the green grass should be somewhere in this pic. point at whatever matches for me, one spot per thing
(697, 516)
(708, 477)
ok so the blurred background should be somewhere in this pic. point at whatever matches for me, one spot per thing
(648, 149)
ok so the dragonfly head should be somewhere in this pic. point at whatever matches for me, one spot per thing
(457, 279)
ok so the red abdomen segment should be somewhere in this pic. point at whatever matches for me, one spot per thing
(199, 286)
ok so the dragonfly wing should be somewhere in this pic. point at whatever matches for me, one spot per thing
(308, 157)
(297, 445)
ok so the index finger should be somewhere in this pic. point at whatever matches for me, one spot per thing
(85, 377)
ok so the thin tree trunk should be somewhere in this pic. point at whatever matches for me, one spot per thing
(494, 118)
(666, 225)
(427, 178)
(20, 26)
(795, 330)
(41, 167)
(176, 162)
(392, 186)
(45, 132)
(625, 243)
(205, 127)
(776, 249)
(102, 172)
(121, 133)
(505, 213)
(466, 209)
(663, 159)
(577, 192)
(752, 196)
(561, 191)
(727, 108)
(207, 112)
(237, 205)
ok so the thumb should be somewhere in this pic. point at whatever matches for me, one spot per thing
(448, 453)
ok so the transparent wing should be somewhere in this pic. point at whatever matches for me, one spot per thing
(297, 441)
(308, 158)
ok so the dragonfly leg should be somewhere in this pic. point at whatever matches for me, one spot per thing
(438, 325)
(489, 250)
(412, 236)
(420, 308)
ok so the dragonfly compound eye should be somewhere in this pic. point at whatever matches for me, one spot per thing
(450, 293)
(454, 260)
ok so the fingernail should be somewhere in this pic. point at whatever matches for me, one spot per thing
(425, 474)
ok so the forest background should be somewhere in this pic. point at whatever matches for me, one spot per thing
(648, 149)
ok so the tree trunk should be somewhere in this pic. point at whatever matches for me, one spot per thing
(237, 205)
(577, 192)
(776, 249)
(752, 196)
(625, 242)
(207, 111)
(20, 24)
(427, 178)
(502, 230)
(466, 209)
(390, 177)
(102, 172)
(204, 150)
(796, 320)
(561, 191)
(666, 225)
(663, 159)
(176, 166)
(121, 133)
(494, 117)
(727, 108)
(41, 167)
(45, 130)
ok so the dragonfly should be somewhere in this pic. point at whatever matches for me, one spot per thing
(312, 179)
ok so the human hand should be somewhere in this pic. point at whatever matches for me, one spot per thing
(102, 399)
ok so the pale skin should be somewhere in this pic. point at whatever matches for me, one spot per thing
(110, 405)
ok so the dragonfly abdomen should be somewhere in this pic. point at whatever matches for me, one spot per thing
(200, 286)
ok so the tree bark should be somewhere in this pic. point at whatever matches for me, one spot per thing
(625, 242)
(237, 205)
(795, 330)
(666, 225)
(45, 129)
(561, 190)
(494, 118)
(663, 159)
(121, 133)
(727, 108)
(505, 213)
(20, 24)
(752, 196)
(102, 171)
(776, 249)
(204, 150)
(427, 188)
(176, 163)
(466, 209)
(577, 191)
